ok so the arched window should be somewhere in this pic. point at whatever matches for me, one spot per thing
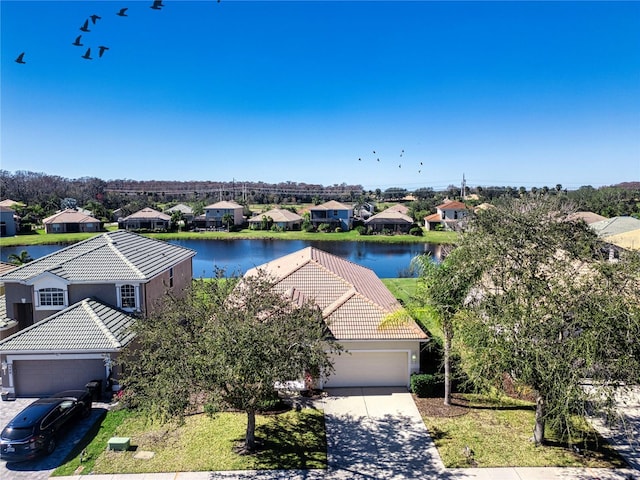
(51, 297)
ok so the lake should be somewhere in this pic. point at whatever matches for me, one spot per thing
(386, 260)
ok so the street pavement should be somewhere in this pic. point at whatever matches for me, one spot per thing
(377, 433)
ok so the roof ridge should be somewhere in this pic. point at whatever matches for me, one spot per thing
(112, 245)
(105, 330)
(338, 302)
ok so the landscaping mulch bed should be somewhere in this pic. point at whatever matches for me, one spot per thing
(435, 407)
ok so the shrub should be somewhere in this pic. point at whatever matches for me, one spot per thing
(416, 231)
(324, 227)
(425, 384)
(338, 230)
(361, 229)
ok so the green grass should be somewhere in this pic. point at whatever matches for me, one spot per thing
(41, 238)
(499, 432)
(291, 440)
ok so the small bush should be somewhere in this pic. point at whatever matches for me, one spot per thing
(425, 384)
(361, 229)
(416, 231)
(338, 230)
(324, 227)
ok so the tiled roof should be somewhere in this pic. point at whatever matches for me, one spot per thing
(588, 217)
(6, 209)
(86, 325)
(434, 217)
(354, 301)
(7, 202)
(278, 215)
(148, 214)
(331, 205)
(398, 207)
(70, 216)
(181, 207)
(615, 226)
(452, 205)
(6, 267)
(390, 216)
(223, 205)
(111, 256)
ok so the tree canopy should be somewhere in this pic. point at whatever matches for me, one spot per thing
(550, 310)
(226, 344)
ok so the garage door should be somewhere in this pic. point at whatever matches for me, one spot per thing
(370, 369)
(35, 378)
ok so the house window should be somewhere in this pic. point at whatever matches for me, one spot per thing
(335, 213)
(128, 296)
(51, 297)
(171, 277)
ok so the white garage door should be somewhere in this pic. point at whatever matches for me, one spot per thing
(370, 369)
(36, 378)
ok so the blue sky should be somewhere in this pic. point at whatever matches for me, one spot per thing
(506, 93)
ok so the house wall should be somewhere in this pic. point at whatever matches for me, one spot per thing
(157, 286)
(214, 215)
(8, 224)
(343, 217)
(14, 293)
(106, 293)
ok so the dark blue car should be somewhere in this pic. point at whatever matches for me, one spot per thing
(34, 430)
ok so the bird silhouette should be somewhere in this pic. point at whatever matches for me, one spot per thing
(20, 58)
(360, 159)
(374, 152)
(123, 12)
(157, 5)
(378, 159)
(95, 18)
(102, 49)
(87, 55)
(77, 42)
(85, 26)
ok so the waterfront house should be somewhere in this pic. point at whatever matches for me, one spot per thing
(333, 213)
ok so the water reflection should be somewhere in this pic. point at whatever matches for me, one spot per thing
(237, 256)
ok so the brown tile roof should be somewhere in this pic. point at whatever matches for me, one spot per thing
(9, 203)
(390, 216)
(452, 205)
(398, 207)
(70, 216)
(6, 267)
(588, 217)
(354, 301)
(434, 217)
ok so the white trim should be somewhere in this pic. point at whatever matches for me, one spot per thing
(136, 287)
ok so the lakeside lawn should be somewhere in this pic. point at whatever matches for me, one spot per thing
(39, 237)
(290, 440)
(498, 431)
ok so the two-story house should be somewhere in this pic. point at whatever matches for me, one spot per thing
(215, 214)
(334, 213)
(74, 307)
(447, 215)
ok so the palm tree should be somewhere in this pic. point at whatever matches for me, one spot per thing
(19, 259)
(227, 219)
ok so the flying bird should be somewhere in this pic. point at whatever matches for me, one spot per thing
(123, 12)
(157, 5)
(77, 42)
(87, 55)
(102, 49)
(20, 58)
(85, 26)
(95, 18)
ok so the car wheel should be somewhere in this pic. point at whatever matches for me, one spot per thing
(51, 445)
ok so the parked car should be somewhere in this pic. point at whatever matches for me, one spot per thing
(34, 430)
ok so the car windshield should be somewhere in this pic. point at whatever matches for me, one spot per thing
(16, 433)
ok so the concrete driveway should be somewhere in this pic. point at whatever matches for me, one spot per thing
(41, 468)
(378, 433)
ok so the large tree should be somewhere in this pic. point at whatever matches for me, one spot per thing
(227, 343)
(550, 310)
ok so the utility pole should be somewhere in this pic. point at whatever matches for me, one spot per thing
(463, 188)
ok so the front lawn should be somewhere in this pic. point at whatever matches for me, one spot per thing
(497, 431)
(290, 440)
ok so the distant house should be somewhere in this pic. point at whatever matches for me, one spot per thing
(334, 213)
(71, 221)
(7, 222)
(354, 305)
(146, 219)
(215, 213)
(389, 220)
(447, 216)
(7, 202)
(588, 217)
(73, 308)
(186, 210)
(281, 218)
(623, 232)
